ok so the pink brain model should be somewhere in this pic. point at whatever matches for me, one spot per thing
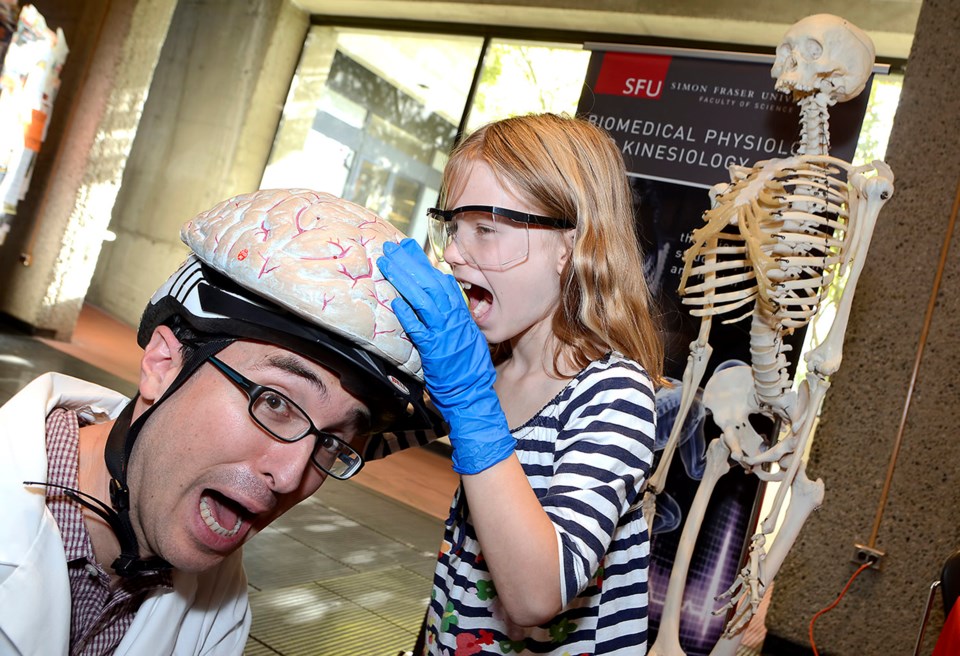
(314, 254)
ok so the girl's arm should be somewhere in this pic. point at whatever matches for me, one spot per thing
(456, 360)
(544, 552)
(518, 541)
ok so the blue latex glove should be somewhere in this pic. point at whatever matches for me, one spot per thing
(456, 360)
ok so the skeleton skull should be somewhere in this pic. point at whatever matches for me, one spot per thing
(824, 53)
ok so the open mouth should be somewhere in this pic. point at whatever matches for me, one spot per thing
(220, 512)
(479, 299)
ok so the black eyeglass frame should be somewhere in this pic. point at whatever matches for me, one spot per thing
(513, 215)
(254, 391)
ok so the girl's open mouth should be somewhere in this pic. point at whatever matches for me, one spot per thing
(479, 299)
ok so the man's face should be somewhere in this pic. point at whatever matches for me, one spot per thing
(204, 477)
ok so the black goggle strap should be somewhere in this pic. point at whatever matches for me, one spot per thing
(119, 446)
(513, 215)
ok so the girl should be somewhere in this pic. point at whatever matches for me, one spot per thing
(546, 550)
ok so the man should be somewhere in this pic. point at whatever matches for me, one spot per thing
(270, 358)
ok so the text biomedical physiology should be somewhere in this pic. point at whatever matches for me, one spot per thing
(750, 144)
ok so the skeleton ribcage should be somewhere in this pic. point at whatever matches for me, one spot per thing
(770, 247)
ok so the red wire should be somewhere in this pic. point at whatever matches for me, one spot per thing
(833, 605)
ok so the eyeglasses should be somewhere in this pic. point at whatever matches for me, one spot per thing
(489, 237)
(286, 421)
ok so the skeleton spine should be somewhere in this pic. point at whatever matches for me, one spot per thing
(769, 360)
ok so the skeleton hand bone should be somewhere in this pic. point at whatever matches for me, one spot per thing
(747, 590)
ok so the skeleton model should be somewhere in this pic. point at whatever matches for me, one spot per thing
(775, 238)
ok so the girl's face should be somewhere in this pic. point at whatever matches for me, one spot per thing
(520, 298)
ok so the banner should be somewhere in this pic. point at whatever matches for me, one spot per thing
(685, 117)
(680, 118)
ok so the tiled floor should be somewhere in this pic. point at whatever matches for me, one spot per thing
(23, 358)
(347, 572)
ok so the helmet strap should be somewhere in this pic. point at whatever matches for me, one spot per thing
(123, 435)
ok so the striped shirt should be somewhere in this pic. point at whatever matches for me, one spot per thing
(99, 615)
(586, 454)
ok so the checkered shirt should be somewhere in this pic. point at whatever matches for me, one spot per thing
(100, 614)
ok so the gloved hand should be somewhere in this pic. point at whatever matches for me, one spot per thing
(456, 359)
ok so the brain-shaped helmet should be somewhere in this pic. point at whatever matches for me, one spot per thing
(297, 268)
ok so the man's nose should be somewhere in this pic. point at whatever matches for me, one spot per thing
(285, 463)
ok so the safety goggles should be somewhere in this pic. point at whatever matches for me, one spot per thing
(488, 237)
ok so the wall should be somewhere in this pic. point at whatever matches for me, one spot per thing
(205, 135)
(61, 224)
(882, 611)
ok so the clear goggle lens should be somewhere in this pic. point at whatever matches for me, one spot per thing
(485, 239)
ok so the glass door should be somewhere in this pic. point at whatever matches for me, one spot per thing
(371, 117)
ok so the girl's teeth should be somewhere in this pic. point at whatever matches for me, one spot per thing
(213, 524)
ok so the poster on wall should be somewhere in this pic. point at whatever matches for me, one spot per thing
(29, 81)
(681, 118)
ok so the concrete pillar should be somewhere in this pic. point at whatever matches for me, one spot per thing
(206, 134)
(75, 208)
(862, 412)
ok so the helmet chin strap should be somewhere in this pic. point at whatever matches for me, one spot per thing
(119, 446)
(129, 562)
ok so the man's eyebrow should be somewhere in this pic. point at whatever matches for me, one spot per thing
(296, 367)
(361, 420)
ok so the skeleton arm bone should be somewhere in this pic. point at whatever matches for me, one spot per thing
(868, 198)
(700, 351)
(747, 590)
(802, 427)
(805, 497)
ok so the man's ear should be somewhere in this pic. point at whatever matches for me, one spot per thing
(160, 364)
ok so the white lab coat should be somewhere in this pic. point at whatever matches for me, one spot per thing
(205, 614)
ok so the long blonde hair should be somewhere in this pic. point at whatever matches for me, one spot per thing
(572, 169)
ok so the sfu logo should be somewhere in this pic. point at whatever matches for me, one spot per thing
(633, 75)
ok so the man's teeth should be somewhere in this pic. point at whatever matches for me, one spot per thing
(213, 524)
